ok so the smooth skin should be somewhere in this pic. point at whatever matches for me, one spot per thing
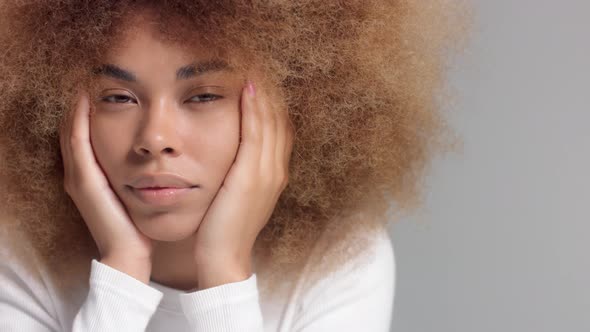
(224, 241)
(219, 249)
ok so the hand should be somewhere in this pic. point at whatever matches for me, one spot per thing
(119, 242)
(244, 203)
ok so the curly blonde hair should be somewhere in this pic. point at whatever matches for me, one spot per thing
(363, 80)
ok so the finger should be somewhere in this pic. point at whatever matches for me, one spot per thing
(62, 135)
(282, 136)
(290, 141)
(65, 130)
(269, 132)
(251, 141)
(82, 154)
(64, 138)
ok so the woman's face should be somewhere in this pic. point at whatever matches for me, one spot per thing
(163, 110)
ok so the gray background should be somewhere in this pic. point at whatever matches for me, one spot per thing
(503, 243)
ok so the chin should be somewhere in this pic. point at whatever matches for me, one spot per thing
(168, 227)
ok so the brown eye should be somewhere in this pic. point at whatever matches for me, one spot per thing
(205, 97)
(118, 99)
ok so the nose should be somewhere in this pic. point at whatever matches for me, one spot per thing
(158, 135)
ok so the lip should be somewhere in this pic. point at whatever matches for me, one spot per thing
(160, 180)
(161, 188)
(161, 196)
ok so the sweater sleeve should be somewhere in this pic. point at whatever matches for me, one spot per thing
(115, 302)
(350, 300)
(229, 307)
(358, 299)
(24, 305)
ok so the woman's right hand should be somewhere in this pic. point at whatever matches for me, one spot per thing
(120, 243)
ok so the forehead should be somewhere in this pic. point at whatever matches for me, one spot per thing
(146, 25)
(141, 38)
(141, 43)
(138, 45)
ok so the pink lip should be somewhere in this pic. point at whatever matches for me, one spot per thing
(160, 180)
(161, 196)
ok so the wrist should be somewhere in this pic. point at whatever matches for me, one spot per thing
(222, 272)
(138, 268)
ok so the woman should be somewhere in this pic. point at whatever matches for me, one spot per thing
(211, 166)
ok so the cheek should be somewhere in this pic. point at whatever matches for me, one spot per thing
(220, 143)
(106, 139)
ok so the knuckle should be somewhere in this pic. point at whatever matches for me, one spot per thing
(285, 181)
(74, 140)
(73, 187)
(282, 179)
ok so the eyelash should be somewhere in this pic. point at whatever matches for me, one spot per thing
(109, 99)
(213, 97)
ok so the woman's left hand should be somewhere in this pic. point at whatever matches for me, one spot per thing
(245, 201)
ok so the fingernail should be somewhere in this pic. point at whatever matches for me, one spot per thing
(251, 88)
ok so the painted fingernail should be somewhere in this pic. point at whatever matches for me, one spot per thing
(251, 88)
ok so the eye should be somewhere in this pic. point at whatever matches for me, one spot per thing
(118, 99)
(205, 97)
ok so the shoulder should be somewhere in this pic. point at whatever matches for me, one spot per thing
(379, 263)
(358, 295)
(372, 268)
(372, 272)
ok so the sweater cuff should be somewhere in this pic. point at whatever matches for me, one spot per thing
(229, 307)
(124, 286)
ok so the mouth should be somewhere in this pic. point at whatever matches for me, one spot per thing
(162, 196)
(158, 188)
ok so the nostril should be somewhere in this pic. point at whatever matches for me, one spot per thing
(168, 150)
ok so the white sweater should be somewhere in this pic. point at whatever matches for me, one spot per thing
(357, 299)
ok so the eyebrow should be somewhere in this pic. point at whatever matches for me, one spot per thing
(185, 72)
